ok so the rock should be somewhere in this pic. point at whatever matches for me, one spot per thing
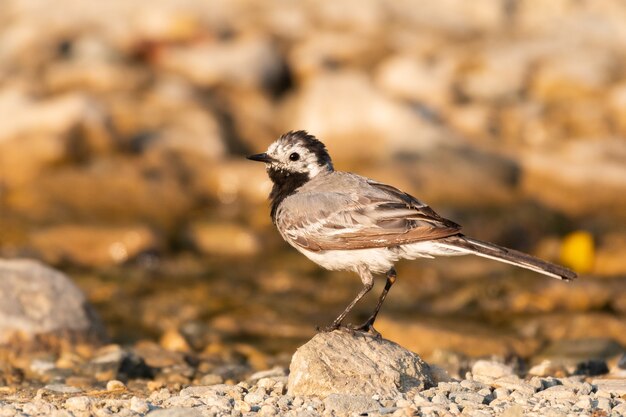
(231, 180)
(343, 107)
(54, 116)
(93, 245)
(139, 405)
(247, 61)
(584, 356)
(570, 76)
(39, 304)
(417, 79)
(173, 340)
(62, 389)
(615, 386)
(489, 370)
(115, 385)
(355, 364)
(79, 403)
(22, 159)
(498, 73)
(455, 17)
(115, 191)
(513, 411)
(191, 133)
(448, 174)
(557, 392)
(223, 239)
(594, 168)
(514, 383)
(547, 368)
(312, 56)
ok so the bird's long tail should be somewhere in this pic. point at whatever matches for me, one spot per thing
(510, 256)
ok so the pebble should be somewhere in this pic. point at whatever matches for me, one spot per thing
(485, 371)
(115, 385)
(265, 397)
(79, 403)
(139, 405)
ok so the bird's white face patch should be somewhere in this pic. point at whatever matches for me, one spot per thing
(294, 156)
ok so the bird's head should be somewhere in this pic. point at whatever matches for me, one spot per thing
(296, 152)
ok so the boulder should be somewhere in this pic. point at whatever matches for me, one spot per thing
(341, 362)
(40, 304)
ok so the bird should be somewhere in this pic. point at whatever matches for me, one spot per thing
(344, 221)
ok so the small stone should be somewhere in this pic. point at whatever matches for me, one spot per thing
(454, 409)
(211, 379)
(465, 397)
(270, 373)
(255, 397)
(173, 340)
(268, 410)
(440, 399)
(115, 385)
(345, 404)
(80, 403)
(62, 388)
(489, 370)
(603, 403)
(559, 392)
(615, 386)
(619, 410)
(155, 385)
(420, 399)
(546, 368)
(139, 405)
(513, 411)
(176, 412)
(472, 385)
(501, 393)
(584, 402)
(514, 383)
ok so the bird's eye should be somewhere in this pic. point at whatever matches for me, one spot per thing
(294, 156)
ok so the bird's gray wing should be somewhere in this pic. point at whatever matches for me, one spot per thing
(375, 215)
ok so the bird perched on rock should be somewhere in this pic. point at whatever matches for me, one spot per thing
(343, 221)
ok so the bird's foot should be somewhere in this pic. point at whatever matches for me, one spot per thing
(368, 327)
(331, 327)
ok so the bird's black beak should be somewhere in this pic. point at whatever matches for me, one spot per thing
(261, 157)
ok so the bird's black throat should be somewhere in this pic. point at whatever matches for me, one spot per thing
(285, 184)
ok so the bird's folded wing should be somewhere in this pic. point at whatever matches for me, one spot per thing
(382, 217)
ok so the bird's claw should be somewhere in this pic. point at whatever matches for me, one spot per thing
(366, 327)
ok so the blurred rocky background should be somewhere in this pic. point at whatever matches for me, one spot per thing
(123, 131)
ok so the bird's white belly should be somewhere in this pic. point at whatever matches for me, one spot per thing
(377, 260)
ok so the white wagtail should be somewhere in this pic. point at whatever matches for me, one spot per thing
(343, 221)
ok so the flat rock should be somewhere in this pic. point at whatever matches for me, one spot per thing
(39, 302)
(355, 364)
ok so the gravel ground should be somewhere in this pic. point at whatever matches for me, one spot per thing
(265, 394)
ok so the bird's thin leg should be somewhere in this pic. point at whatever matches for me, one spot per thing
(368, 284)
(368, 326)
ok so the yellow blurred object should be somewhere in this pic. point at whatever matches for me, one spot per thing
(578, 252)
